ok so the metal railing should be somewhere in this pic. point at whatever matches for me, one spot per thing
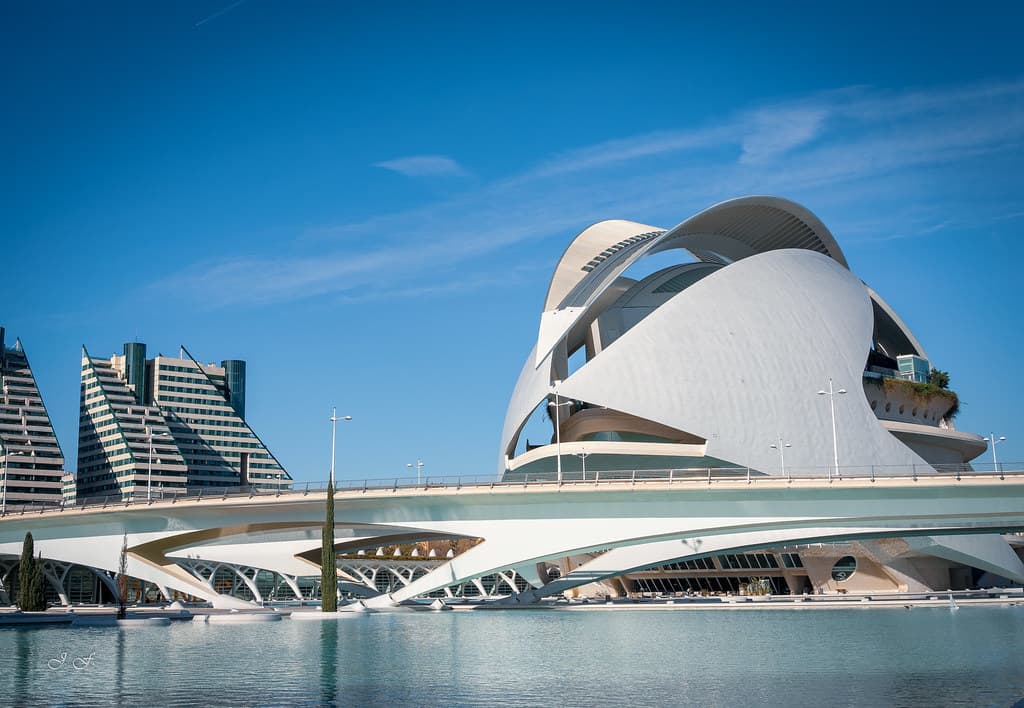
(592, 478)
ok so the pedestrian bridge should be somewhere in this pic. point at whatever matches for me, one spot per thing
(635, 519)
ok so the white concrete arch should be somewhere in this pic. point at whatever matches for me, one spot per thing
(508, 578)
(6, 596)
(53, 573)
(584, 248)
(736, 229)
(210, 575)
(745, 226)
(57, 573)
(111, 584)
(359, 574)
(200, 569)
(292, 584)
(249, 582)
(899, 323)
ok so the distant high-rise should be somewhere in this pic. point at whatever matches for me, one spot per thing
(29, 450)
(190, 415)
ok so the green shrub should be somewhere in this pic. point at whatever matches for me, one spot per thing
(939, 378)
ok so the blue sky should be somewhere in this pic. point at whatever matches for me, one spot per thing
(366, 202)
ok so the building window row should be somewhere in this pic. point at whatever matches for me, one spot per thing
(183, 399)
(746, 561)
(714, 584)
(183, 369)
(792, 560)
(196, 378)
(694, 564)
(204, 389)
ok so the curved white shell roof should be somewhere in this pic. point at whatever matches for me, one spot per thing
(737, 357)
(726, 232)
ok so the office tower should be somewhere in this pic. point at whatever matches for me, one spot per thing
(30, 455)
(169, 423)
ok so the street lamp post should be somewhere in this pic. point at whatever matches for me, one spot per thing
(419, 467)
(993, 440)
(328, 554)
(334, 432)
(558, 429)
(583, 459)
(3, 504)
(781, 446)
(831, 393)
(149, 474)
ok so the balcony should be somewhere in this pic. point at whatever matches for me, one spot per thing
(896, 399)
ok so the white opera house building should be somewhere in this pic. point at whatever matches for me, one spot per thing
(706, 348)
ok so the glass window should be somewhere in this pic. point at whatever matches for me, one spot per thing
(844, 569)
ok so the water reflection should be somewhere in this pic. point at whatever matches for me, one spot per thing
(23, 669)
(329, 662)
(119, 652)
(864, 657)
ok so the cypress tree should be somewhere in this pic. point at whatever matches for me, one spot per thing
(328, 561)
(25, 571)
(31, 597)
(122, 580)
(37, 595)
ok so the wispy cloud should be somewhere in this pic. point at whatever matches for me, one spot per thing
(616, 152)
(385, 292)
(776, 132)
(851, 141)
(423, 166)
(218, 13)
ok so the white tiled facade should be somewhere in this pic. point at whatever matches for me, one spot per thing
(219, 447)
(181, 407)
(114, 437)
(30, 452)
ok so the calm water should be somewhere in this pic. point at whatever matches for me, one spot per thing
(924, 657)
